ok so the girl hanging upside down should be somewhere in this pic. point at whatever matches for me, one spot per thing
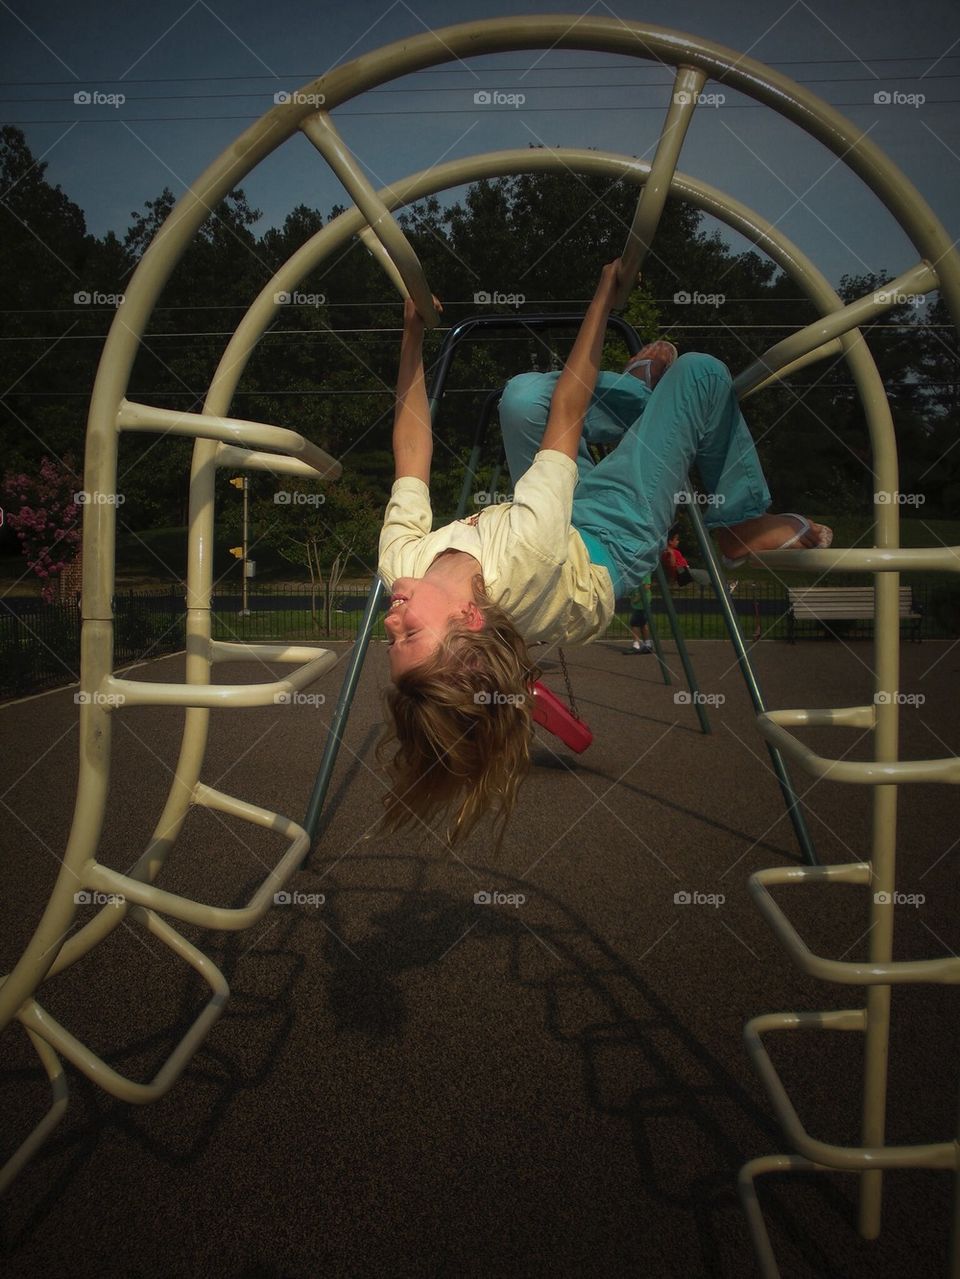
(465, 600)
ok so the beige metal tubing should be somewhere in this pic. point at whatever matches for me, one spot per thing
(751, 1205)
(827, 351)
(387, 264)
(321, 132)
(233, 651)
(61, 1097)
(229, 458)
(653, 195)
(145, 417)
(877, 772)
(938, 1155)
(920, 279)
(913, 972)
(231, 366)
(119, 693)
(852, 559)
(109, 881)
(821, 121)
(48, 1028)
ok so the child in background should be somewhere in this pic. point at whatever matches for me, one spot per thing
(465, 600)
(639, 622)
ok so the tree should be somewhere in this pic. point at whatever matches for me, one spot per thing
(46, 519)
(321, 531)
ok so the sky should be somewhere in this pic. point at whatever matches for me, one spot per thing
(121, 100)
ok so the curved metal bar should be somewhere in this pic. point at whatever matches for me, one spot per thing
(824, 352)
(229, 430)
(319, 129)
(606, 34)
(941, 1155)
(646, 219)
(918, 280)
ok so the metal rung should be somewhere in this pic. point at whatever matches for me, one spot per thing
(39, 1021)
(393, 244)
(228, 430)
(921, 278)
(61, 1097)
(870, 559)
(231, 651)
(829, 350)
(907, 972)
(940, 1155)
(225, 918)
(117, 693)
(861, 772)
(683, 101)
(229, 457)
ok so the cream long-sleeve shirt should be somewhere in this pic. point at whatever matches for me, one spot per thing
(534, 563)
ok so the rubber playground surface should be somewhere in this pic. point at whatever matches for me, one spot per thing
(528, 1063)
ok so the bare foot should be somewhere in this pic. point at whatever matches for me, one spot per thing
(772, 533)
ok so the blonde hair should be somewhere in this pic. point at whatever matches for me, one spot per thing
(463, 722)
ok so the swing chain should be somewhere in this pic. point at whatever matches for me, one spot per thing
(566, 679)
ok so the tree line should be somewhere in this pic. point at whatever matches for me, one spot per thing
(327, 365)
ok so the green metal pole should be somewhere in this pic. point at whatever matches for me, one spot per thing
(344, 702)
(794, 812)
(682, 650)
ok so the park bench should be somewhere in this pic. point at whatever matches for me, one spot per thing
(827, 604)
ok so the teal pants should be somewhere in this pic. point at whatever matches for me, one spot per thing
(624, 505)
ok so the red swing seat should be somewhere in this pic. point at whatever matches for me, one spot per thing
(550, 713)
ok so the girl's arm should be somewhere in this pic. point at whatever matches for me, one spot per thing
(412, 432)
(576, 383)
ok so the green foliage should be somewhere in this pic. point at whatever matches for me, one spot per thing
(327, 365)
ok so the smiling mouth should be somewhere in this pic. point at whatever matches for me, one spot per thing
(397, 599)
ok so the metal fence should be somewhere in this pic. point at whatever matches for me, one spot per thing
(40, 643)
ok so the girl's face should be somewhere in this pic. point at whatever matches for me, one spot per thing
(418, 617)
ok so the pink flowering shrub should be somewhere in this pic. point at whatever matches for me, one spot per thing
(42, 512)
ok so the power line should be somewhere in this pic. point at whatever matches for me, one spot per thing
(506, 110)
(540, 88)
(314, 333)
(304, 77)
